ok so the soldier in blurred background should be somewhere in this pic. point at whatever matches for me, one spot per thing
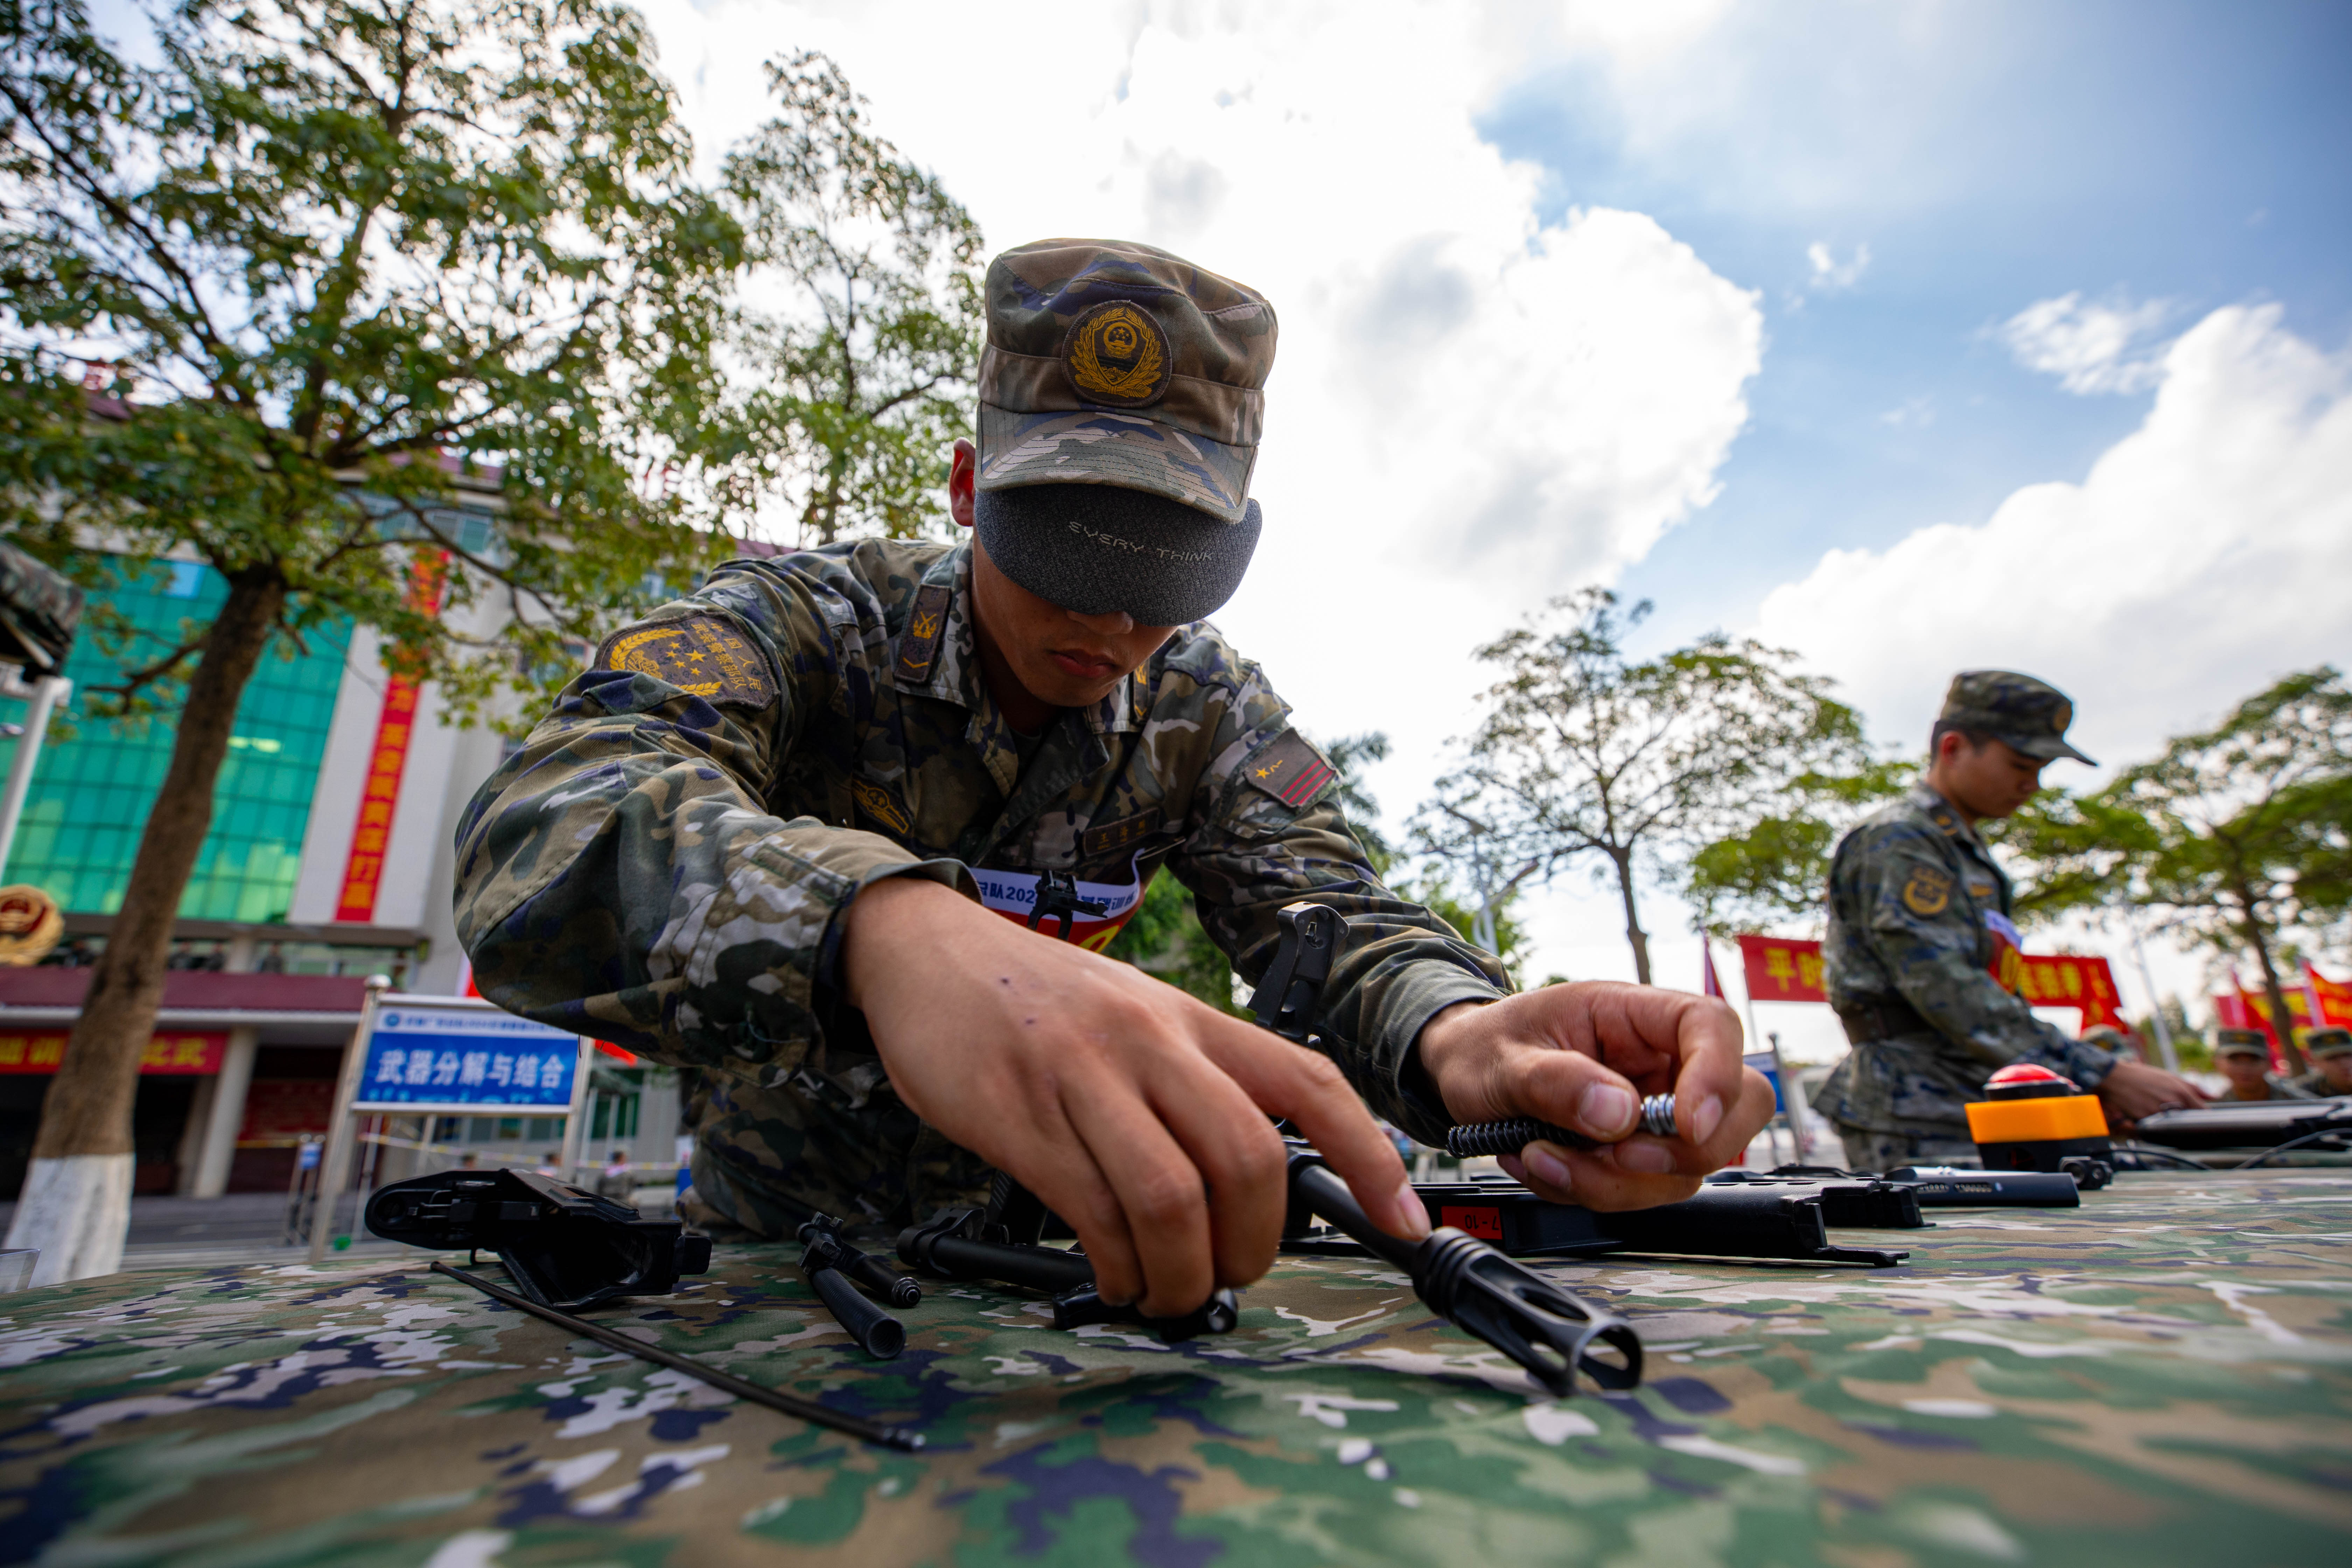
(2243, 1056)
(2330, 1050)
(1922, 959)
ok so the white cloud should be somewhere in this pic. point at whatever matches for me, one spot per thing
(1470, 412)
(1830, 274)
(2090, 348)
(1912, 412)
(2199, 560)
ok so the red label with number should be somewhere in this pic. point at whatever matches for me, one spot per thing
(1484, 1223)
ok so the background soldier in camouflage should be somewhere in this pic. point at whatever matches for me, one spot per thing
(2330, 1050)
(2243, 1056)
(771, 832)
(1921, 958)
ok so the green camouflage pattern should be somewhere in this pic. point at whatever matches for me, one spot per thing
(1113, 363)
(2030, 715)
(2161, 1376)
(2315, 1084)
(661, 863)
(1918, 910)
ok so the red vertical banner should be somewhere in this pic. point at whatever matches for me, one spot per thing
(387, 763)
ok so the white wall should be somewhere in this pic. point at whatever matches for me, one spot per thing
(343, 773)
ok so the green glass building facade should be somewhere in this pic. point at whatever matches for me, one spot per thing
(91, 795)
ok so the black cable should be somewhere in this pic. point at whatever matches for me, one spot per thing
(2290, 1143)
(800, 1409)
(2140, 1152)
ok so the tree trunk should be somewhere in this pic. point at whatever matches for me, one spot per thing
(1634, 934)
(82, 1158)
(2282, 1020)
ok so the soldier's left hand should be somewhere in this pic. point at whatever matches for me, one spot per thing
(1581, 1055)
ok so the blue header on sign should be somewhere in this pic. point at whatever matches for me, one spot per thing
(466, 1056)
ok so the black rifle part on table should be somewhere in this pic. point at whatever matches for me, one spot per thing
(566, 1248)
(2263, 1124)
(830, 1264)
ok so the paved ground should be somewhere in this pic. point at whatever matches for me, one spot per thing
(246, 1227)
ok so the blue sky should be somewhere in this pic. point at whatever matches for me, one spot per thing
(1988, 155)
(1914, 336)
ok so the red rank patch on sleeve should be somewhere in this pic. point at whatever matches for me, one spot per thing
(1289, 769)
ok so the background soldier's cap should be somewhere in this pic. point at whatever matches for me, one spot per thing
(2241, 1043)
(1121, 405)
(2031, 715)
(2328, 1042)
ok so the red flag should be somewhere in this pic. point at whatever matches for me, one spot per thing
(2331, 999)
(1782, 969)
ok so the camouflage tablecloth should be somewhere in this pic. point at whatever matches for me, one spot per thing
(2164, 1375)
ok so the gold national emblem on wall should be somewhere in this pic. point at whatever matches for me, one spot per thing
(1117, 354)
(702, 656)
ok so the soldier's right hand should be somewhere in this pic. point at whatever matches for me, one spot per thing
(1136, 1112)
(2134, 1090)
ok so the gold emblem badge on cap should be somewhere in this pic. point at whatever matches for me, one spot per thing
(1117, 354)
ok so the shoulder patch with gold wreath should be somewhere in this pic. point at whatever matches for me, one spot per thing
(881, 806)
(1927, 892)
(703, 656)
(918, 645)
(1289, 769)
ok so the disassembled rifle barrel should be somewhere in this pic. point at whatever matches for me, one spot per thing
(1485, 1293)
(1509, 1137)
(831, 1263)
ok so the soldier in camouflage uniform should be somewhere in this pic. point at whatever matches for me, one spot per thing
(2330, 1050)
(1922, 956)
(2243, 1056)
(762, 836)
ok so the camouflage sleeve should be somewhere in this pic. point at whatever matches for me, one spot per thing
(1254, 851)
(619, 874)
(1924, 937)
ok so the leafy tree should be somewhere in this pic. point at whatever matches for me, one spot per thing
(1165, 937)
(326, 246)
(1584, 753)
(1776, 870)
(862, 376)
(2242, 834)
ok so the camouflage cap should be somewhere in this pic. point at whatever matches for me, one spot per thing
(2030, 715)
(2327, 1042)
(1110, 362)
(2242, 1043)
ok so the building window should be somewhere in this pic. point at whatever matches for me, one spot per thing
(91, 795)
